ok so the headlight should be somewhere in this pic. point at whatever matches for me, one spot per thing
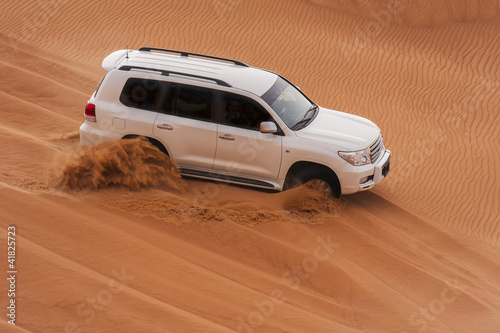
(360, 157)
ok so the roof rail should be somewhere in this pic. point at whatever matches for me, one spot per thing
(167, 73)
(186, 54)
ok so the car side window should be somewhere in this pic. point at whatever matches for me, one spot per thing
(141, 93)
(191, 102)
(241, 111)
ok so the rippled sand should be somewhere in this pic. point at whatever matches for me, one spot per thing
(142, 250)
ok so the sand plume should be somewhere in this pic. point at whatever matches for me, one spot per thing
(304, 205)
(131, 164)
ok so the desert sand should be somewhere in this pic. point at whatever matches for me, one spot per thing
(141, 250)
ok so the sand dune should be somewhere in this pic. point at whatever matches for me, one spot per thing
(418, 13)
(156, 253)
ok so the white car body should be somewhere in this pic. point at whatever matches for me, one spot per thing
(214, 149)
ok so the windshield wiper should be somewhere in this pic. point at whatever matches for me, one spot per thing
(307, 117)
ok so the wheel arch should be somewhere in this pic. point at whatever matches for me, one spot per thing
(301, 166)
(158, 144)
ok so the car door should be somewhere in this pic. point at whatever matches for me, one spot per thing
(186, 126)
(241, 148)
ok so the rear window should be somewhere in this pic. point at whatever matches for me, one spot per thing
(100, 83)
(175, 99)
(141, 93)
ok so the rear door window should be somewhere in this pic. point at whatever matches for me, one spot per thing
(190, 102)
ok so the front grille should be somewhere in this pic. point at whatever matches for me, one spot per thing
(377, 148)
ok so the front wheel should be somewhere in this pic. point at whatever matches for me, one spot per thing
(317, 178)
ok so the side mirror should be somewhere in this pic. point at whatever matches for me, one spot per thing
(268, 127)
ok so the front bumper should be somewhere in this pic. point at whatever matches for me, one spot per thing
(356, 179)
(381, 169)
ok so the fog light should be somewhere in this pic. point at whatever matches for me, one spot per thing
(366, 179)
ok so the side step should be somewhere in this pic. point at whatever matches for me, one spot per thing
(216, 176)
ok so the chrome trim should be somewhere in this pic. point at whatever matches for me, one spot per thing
(376, 148)
(165, 127)
(227, 137)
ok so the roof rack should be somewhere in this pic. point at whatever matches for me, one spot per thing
(186, 54)
(167, 73)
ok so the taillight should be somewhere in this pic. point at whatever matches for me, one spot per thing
(90, 112)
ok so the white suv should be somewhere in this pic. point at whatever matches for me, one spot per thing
(221, 119)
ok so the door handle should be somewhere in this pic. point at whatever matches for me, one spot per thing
(165, 127)
(227, 137)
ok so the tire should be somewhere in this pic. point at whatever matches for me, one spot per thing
(322, 180)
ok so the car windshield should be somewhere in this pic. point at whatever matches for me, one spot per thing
(288, 102)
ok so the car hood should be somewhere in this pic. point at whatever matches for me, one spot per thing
(341, 129)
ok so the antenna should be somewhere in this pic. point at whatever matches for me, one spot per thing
(126, 56)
